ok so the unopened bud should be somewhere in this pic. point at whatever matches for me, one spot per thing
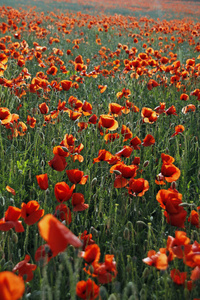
(94, 181)
(146, 163)
(116, 172)
(53, 142)
(15, 238)
(126, 234)
(173, 185)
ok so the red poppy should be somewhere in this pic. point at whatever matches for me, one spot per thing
(125, 152)
(31, 121)
(10, 190)
(5, 115)
(77, 176)
(93, 119)
(63, 213)
(111, 137)
(87, 239)
(43, 254)
(126, 171)
(30, 212)
(178, 129)
(115, 109)
(126, 132)
(44, 109)
(58, 163)
(66, 85)
(171, 111)
(102, 88)
(194, 218)
(12, 287)
(148, 140)
(138, 186)
(56, 234)
(63, 192)
(158, 260)
(78, 202)
(178, 277)
(135, 142)
(24, 269)
(108, 122)
(105, 271)
(184, 97)
(148, 115)
(42, 181)
(87, 289)
(91, 254)
(10, 220)
(170, 172)
(188, 108)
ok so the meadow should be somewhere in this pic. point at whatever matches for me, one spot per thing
(99, 150)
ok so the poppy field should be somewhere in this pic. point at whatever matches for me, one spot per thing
(99, 150)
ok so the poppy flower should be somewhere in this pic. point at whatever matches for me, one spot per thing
(151, 84)
(170, 172)
(10, 220)
(178, 277)
(148, 115)
(167, 159)
(107, 122)
(76, 176)
(30, 212)
(10, 190)
(138, 186)
(102, 88)
(31, 121)
(5, 115)
(56, 234)
(93, 119)
(58, 163)
(177, 219)
(24, 269)
(195, 274)
(126, 171)
(126, 132)
(103, 155)
(171, 111)
(148, 140)
(63, 192)
(111, 137)
(91, 254)
(160, 109)
(135, 142)
(87, 109)
(78, 202)
(184, 97)
(158, 260)
(124, 93)
(178, 129)
(105, 271)
(87, 289)
(86, 239)
(44, 109)
(42, 181)
(43, 254)
(194, 218)
(188, 108)
(180, 245)
(125, 152)
(120, 182)
(115, 109)
(63, 213)
(12, 287)
(66, 85)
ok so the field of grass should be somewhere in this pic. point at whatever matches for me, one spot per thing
(99, 150)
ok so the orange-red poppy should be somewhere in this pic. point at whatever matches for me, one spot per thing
(184, 97)
(171, 111)
(24, 269)
(44, 109)
(87, 289)
(63, 213)
(170, 172)
(10, 220)
(63, 192)
(56, 234)
(126, 132)
(178, 277)
(126, 171)
(31, 121)
(30, 212)
(86, 239)
(78, 202)
(148, 140)
(188, 108)
(106, 271)
(138, 187)
(115, 109)
(12, 287)
(107, 122)
(77, 176)
(125, 152)
(135, 142)
(158, 260)
(5, 115)
(43, 254)
(91, 254)
(66, 84)
(58, 163)
(10, 190)
(194, 218)
(178, 129)
(42, 181)
(148, 115)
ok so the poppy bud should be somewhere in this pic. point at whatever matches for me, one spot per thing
(173, 185)
(42, 163)
(167, 150)
(53, 142)
(15, 238)
(103, 293)
(126, 234)
(42, 136)
(94, 232)
(2, 201)
(146, 163)
(112, 297)
(128, 124)
(94, 181)
(116, 172)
